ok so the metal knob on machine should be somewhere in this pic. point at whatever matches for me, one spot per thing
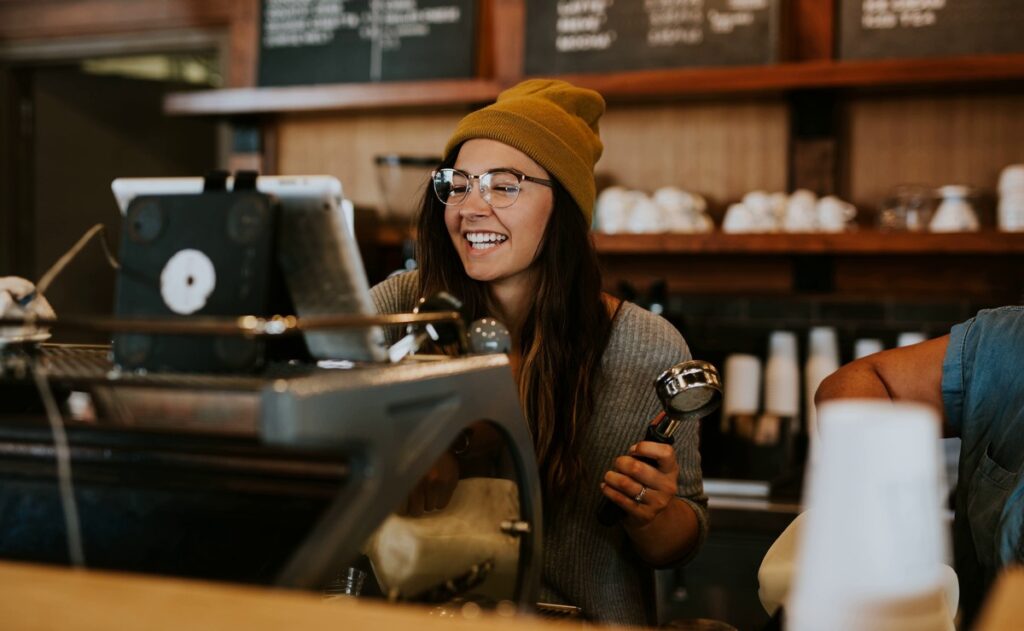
(488, 336)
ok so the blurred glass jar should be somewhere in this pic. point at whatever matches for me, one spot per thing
(908, 208)
(402, 181)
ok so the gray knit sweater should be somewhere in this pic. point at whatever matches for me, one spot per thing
(586, 564)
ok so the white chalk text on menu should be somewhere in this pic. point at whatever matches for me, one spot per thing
(317, 41)
(874, 29)
(888, 14)
(598, 35)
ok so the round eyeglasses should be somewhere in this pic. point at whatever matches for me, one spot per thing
(498, 187)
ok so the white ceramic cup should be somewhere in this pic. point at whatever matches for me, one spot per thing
(1011, 212)
(801, 212)
(673, 199)
(611, 209)
(738, 220)
(646, 217)
(759, 202)
(834, 215)
(955, 213)
(1011, 180)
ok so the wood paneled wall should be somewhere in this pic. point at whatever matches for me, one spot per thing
(345, 145)
(931, 139)
(721, 150)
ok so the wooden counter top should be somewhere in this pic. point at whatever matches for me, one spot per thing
(44, 598)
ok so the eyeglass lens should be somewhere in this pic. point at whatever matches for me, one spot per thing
(498, 188)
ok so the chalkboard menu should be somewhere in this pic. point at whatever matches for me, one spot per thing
(570, 36)
(875, 29)
(339, 41)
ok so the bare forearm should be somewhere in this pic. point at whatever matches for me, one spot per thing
(672, 535)
(859, 380)
(912, 373)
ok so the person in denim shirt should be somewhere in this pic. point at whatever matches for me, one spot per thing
(975, 376)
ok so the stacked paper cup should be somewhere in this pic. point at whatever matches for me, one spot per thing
(1011, 199)
(742, 388)
(873, 546)
(822, 361)
(909, 338)
(782, 380)
(867, 346)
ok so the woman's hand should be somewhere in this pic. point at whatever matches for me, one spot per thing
(663, 527)
(435, 488)
(655, 485)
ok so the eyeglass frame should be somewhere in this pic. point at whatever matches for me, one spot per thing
(516, 172)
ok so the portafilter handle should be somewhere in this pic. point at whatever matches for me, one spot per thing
(690, 390)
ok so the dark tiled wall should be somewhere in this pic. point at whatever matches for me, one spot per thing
(716, 325)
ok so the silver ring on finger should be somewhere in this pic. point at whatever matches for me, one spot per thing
(639, 499)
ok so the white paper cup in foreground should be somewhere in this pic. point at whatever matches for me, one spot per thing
(874, 542)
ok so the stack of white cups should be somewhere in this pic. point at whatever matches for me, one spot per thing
(873, 545)
(909, 338)
(867, 346)
(1011, 199)
(781, 383)
(742, 383)
(822, 361)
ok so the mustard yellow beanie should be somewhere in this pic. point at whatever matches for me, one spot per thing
(553, 122)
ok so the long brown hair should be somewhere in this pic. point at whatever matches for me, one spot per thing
(564, 334)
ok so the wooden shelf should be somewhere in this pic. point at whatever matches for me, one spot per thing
(680, 82)
(853, 243)
(803, 75)
(348, 96)
(867, 242)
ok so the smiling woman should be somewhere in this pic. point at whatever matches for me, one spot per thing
(499, 244)
(504, 226)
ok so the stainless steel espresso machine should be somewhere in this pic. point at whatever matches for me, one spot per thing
(279, 478)
(279, 471)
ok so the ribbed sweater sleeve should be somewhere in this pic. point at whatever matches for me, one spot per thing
(397, 294)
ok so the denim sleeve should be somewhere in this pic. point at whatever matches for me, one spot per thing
(953, 376)
(982, 359)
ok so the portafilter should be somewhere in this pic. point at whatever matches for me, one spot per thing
(688, 391)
